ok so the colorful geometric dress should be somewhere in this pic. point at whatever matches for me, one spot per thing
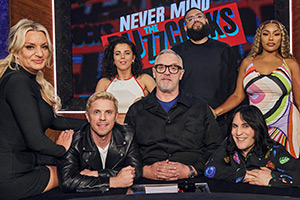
(272, 94)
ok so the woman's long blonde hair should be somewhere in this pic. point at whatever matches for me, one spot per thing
(16, 41)
(284, 48)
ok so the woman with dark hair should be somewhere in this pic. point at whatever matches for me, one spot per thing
(122, 75)
(270, 77)
(249, 154)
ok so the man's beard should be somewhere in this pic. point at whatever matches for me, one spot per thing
(167, 89)
(199, 34)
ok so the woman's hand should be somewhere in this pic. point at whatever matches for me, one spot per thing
(260, 176)
(65, 139)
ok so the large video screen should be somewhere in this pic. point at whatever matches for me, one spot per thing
(152, 25)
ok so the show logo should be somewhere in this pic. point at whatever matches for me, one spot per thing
(155, 15)
(151, 39)
(151, 33)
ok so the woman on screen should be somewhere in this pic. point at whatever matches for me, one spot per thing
(122, 75)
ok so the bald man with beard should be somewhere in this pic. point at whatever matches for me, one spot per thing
(210, 65)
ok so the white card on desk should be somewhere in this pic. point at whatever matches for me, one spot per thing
(161, 188)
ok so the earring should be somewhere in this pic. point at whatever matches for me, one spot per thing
(16, 61)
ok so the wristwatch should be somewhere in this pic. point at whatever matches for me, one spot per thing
(192, 172)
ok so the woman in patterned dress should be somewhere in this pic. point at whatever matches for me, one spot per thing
(270, 76)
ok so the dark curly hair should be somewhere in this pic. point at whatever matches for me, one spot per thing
(109, 69)
(254, 117)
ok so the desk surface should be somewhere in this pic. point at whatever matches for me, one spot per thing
(219, 190)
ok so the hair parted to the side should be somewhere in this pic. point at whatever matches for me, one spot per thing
(16, 41)
(170, 51)
(254, 117)
(109, 69)
(101, 95)
(284, 48)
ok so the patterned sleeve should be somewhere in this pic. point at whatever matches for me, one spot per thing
(286, 170)
(222, 166)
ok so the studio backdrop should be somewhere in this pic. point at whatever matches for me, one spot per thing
(152, 25)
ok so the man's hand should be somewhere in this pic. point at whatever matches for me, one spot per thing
(166, 170)
(248, 177)
(182, 170)
(123, 179)
(159, 171)
(260, 176)
(88, 172)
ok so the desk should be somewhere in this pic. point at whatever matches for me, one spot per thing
(219, 190)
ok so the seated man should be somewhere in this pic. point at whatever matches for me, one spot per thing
(176, 133)
(103, 154)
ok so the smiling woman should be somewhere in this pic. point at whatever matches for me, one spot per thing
(122, 75)
(270, 77)
(33, 56)
(250, 155)
(28, 106)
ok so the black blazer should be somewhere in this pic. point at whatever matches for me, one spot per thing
(83, 154)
